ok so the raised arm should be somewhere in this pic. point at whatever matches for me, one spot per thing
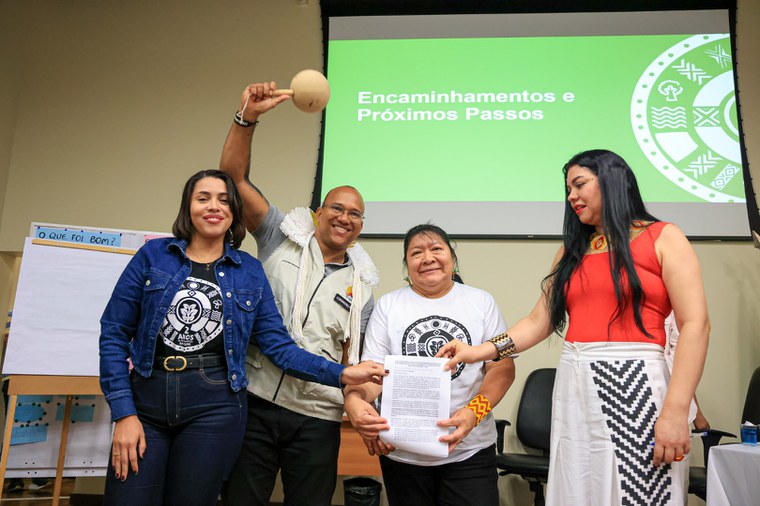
(683, 279)
(256, 100)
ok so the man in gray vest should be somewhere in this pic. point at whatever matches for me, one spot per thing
(322, 282)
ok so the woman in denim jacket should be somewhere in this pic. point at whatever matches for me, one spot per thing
(184, 311)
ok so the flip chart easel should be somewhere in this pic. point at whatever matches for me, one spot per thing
(67, 276)
(46, 385)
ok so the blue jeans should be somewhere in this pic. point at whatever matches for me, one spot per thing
(194, 426)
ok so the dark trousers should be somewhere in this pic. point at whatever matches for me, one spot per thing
(304, 448)
(193, 425)
(471, 481)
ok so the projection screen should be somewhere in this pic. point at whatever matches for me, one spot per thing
(466, 120)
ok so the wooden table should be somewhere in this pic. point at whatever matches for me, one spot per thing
(353, 459)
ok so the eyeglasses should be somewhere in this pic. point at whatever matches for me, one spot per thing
(338, 210)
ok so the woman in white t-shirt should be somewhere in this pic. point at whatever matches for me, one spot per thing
(417, 320)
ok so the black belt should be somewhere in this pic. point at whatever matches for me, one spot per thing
(177, 363)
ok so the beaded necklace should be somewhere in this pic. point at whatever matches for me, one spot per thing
(598, 242)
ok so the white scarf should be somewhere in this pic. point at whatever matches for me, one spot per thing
(299, 227)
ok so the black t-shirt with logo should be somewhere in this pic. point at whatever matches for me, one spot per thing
(193, 324)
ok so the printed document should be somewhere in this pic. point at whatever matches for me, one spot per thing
(416, 394)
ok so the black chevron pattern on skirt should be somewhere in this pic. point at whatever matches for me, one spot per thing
(630, 413)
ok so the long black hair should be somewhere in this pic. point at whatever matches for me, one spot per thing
(621, 205)
(183, 226)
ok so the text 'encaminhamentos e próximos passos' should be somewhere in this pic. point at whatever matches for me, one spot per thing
(391, 107)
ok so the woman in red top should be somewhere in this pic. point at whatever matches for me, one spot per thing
(620, 427)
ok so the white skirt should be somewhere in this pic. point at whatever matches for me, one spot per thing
(607, 397)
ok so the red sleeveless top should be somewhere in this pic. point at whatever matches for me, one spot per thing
(591, 302)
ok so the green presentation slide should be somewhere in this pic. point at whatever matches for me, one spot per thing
(495, 119)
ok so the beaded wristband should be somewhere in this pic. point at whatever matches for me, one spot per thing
(480, 406)
(504, 345)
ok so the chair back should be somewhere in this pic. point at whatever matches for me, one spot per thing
(534, 414)
(751, 411)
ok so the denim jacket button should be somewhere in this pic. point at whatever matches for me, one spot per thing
(147, 283)
(234, 377)
(221, 274)
(229, 295)
(229, 352)
(248, 303)
(229, 322)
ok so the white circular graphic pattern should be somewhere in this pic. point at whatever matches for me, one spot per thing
(683, 113)
(194, 317)
(426, 336)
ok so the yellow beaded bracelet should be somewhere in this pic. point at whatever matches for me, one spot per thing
(480, 406)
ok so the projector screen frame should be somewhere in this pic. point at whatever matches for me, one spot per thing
(340, 8)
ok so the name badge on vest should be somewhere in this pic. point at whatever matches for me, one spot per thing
(342, 302)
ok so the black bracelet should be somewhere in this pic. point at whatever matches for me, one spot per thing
(243, 123)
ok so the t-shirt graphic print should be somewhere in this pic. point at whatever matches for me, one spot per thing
(426, 336)
(194, 317)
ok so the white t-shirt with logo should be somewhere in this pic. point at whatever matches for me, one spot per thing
(405, 323)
